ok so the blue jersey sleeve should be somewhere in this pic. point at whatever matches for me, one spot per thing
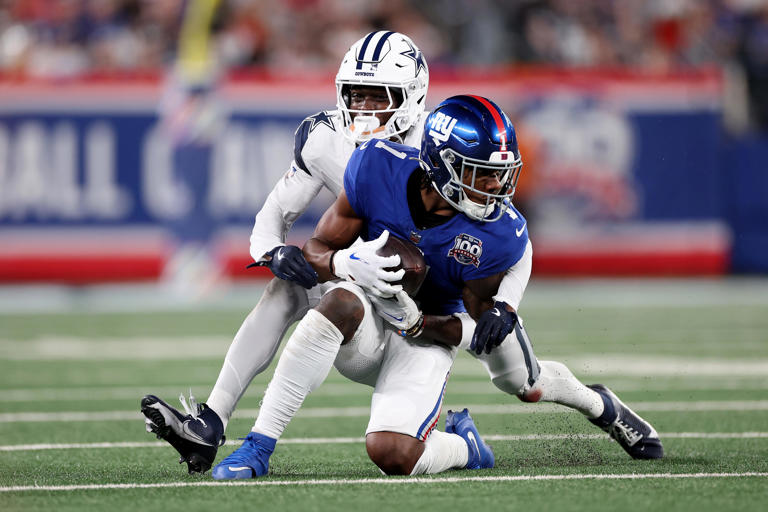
(359, 182)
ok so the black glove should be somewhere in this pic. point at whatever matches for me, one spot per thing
(493, 326)
(288, 263)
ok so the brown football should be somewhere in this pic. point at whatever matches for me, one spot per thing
(411, 259)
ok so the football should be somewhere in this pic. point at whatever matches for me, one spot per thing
(411, 259)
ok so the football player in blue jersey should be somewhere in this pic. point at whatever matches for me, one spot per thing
(453, 199)
(381, 91)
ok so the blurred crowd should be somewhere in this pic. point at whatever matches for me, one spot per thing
(62, 38)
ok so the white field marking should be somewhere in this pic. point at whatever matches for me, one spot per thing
(132, 349)
(109, 349)
(355, 440)
(380, 481)
(480, 386)
(541, 293)
(356, 412)
(623, 365)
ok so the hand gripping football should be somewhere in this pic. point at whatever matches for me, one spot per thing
(411, 259)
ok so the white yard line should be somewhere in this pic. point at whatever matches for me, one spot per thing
(541, 293)
(353, 440)
(152, 348)
(464, 387)
(380, 481)
(355, 412)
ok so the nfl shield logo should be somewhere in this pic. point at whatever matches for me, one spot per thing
(414, 237)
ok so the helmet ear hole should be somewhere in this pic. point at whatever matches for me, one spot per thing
(397, 96)
(345, 94)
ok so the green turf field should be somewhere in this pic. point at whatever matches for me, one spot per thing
(690, 358)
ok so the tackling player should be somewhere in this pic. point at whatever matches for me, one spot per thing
(381, 91)
(453, 199)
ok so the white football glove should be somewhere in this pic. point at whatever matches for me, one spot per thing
(361, 265)
(400, 311)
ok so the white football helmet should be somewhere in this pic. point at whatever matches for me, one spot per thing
(389, 60)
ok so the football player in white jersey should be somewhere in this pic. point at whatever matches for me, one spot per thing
(381, 89)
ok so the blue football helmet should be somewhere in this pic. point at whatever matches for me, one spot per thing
(467, 138)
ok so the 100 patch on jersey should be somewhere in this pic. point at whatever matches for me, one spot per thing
(467, 250)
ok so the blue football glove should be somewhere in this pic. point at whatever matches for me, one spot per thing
(288, 263)
(492, 328)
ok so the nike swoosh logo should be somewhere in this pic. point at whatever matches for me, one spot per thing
(471, 437)
(519, 232)
(397, 318)
(239, 468)
(496, 312)
(280, 254)
(354, 256)
(192, 436)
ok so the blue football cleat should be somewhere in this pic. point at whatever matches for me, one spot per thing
(480, 454)
(638, 438)
(251, 460)
(196, 435)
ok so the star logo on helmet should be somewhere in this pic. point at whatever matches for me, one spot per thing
(321, 118)
(417, 56)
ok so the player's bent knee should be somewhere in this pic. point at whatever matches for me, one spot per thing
(514, 382)
(393, 453)
(530, 395)
(344, 309)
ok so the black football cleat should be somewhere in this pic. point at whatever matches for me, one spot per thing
(196, 435)
(638, 438)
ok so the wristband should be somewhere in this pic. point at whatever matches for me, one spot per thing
(415, 330)
(330, 263)
(467, 329)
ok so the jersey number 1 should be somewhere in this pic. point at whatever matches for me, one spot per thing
(399, 154)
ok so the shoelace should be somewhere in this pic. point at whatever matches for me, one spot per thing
(193, 408)
(622, 429)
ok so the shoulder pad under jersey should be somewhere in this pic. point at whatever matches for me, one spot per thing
(323, 121)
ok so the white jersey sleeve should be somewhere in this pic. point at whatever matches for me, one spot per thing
(288, 200)
(515, 279)
(320, 155)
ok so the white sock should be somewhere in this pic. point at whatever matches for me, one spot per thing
(558, 384)
(442, 451)
(304, 364)
(256, 343)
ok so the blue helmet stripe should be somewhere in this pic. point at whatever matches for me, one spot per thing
(377, 52)
(361, 53)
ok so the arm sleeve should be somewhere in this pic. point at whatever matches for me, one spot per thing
(288, 200)
(515, 279)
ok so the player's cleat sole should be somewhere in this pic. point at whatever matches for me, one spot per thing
(638, 438)
(480, 454)
(196, 439)
(251, 460)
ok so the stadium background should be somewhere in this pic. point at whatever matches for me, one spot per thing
(643, 125)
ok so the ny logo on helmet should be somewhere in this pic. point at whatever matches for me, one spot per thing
(440, 127)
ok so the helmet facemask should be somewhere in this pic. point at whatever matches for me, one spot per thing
(461, 189)
(362, 125)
